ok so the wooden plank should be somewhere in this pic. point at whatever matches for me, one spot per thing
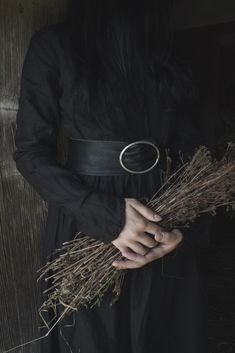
(18, 20)
(22, 219)
(22, 212)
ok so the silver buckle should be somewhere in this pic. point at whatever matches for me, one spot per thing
(135, 143)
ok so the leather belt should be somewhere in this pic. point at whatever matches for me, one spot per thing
(99, 157)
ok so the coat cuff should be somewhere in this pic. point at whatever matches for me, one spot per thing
(102, 218)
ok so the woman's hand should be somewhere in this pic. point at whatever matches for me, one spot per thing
(138, 247)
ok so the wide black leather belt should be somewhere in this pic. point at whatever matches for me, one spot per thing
(99, 157)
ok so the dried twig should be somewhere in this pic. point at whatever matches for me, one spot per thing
(82, 272)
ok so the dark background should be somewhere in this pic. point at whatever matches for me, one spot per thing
(209, 44)
(205, 35)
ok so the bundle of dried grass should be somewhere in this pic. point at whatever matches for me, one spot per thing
(82, 270)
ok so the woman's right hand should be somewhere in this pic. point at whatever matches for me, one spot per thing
(133, 239)
(137, 247)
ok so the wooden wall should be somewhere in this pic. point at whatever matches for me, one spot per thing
(22, 211)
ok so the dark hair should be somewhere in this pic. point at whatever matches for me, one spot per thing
(116, 43)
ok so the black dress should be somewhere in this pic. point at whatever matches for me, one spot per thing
(162, 305)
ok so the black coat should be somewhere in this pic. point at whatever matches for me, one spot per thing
(161, 307)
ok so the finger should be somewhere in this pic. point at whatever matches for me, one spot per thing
(156, 253)
(179, 234)
(131, 255)
(138, 248)
(145, 211)
(128, 252)
(167, 237)
(174, 236)
(153, 228)
(164, 237)
(125, 264)
(147, 240)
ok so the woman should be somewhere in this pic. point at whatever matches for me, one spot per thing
(107, 76)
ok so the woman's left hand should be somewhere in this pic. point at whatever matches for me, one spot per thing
(166, 242)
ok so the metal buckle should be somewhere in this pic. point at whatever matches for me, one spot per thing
(134, 143)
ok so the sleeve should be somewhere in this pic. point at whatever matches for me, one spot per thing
(187, 139)
(98, 214)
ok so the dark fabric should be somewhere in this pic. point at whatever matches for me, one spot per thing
(161, 308)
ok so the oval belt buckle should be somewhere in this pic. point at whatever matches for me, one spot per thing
(135, 143)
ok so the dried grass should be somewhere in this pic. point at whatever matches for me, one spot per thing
(81, 272)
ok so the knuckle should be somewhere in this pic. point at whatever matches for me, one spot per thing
(138, 236)
(133, 236)
(130, 234)
(141, 223)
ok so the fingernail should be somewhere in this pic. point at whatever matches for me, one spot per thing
(159, 236)
(164, 235)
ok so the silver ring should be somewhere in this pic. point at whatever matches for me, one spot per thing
(135, 143)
